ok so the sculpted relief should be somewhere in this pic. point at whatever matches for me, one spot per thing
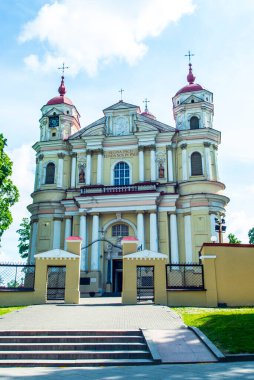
(121, 126)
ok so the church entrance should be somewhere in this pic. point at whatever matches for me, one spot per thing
(117, 276)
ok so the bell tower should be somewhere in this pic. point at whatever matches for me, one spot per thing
(60, 118)
(193, 105)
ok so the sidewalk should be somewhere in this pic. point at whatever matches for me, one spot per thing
(174, 342)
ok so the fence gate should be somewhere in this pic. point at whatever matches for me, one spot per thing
(145, 283)
(56, 282)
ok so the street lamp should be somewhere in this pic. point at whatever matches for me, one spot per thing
(220, 227)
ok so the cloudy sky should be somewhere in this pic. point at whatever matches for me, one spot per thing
(137, 45)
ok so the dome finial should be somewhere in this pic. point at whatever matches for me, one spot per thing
(190, 76)
(62, 89)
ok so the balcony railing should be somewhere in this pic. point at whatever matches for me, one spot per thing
(135, 188)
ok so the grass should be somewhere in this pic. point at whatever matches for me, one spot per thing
(231, 330)
(6, 309)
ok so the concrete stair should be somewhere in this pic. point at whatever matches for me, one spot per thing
(74, 348)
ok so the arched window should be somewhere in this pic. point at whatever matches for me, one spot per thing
(196, 164)
(120, 230)
(194, 122)
(121, 174)
(50, 173)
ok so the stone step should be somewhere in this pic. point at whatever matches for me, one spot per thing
(74, 363)
(71, 333)
(72, 346)
(72, 339)
(73, 355)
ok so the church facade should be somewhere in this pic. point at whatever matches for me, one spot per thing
(126, 174)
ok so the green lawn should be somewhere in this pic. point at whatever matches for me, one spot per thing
(231, 330)
(5, 310)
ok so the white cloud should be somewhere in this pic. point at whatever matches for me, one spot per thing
(23, 178)
(85, 33)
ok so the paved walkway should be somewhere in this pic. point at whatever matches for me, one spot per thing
(215, 371)
(175, 343)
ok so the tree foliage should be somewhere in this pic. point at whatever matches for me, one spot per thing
(9, 193)
(251, 235)
(24, 235)
(232, 239)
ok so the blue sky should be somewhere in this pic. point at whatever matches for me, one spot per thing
(138, 45)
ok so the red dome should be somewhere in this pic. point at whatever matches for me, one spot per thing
(190, 88)
(59, 100)
(148, 114)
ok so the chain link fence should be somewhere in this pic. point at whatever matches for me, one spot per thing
(16, 277)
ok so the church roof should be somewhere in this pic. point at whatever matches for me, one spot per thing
(78, 134)
(120, 105)
(148, 120)
(191, 87)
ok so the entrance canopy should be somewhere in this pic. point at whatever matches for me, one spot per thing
(56, 254)
(146, 255)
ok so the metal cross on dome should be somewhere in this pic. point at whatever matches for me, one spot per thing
(121, 90)
(63, 67)
(189, 55)
(146, 101)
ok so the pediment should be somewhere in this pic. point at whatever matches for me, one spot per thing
(192, 99)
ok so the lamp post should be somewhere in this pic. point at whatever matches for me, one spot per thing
(220, 227)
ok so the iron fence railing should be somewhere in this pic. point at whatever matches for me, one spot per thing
(185, 276)
(16, 276)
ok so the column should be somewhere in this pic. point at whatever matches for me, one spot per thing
(174, 239)
(82, 234)
(60, 170)
(99, 167)
(39, 183)
(140, 228)
(73, 170)
(88, 167)
(153, 232)
(67, 231)
(33, 241)
(217, 177)
(170, 165)
(36, 175)
(95, 247)
(188, 239)
(141, 163)
(57, 233)
(153, 164)
(208, 160)
(184, 162)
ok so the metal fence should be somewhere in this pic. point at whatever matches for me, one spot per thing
(16, 277)
(185, 276)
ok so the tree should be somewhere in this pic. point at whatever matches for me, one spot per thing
(24, 235)
(251, 235)
(233, 239)
(9, 193)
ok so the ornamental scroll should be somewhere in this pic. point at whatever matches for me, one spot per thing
(120, 153)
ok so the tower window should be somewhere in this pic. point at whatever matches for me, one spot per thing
(192, 101)
(196, 164)
(50, 173)
(194, 122)
(121, 174)
(120, 230)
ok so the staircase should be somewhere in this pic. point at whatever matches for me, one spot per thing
(74, 348)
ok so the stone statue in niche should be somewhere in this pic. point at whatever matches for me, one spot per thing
(161, 171)
(81, 174)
